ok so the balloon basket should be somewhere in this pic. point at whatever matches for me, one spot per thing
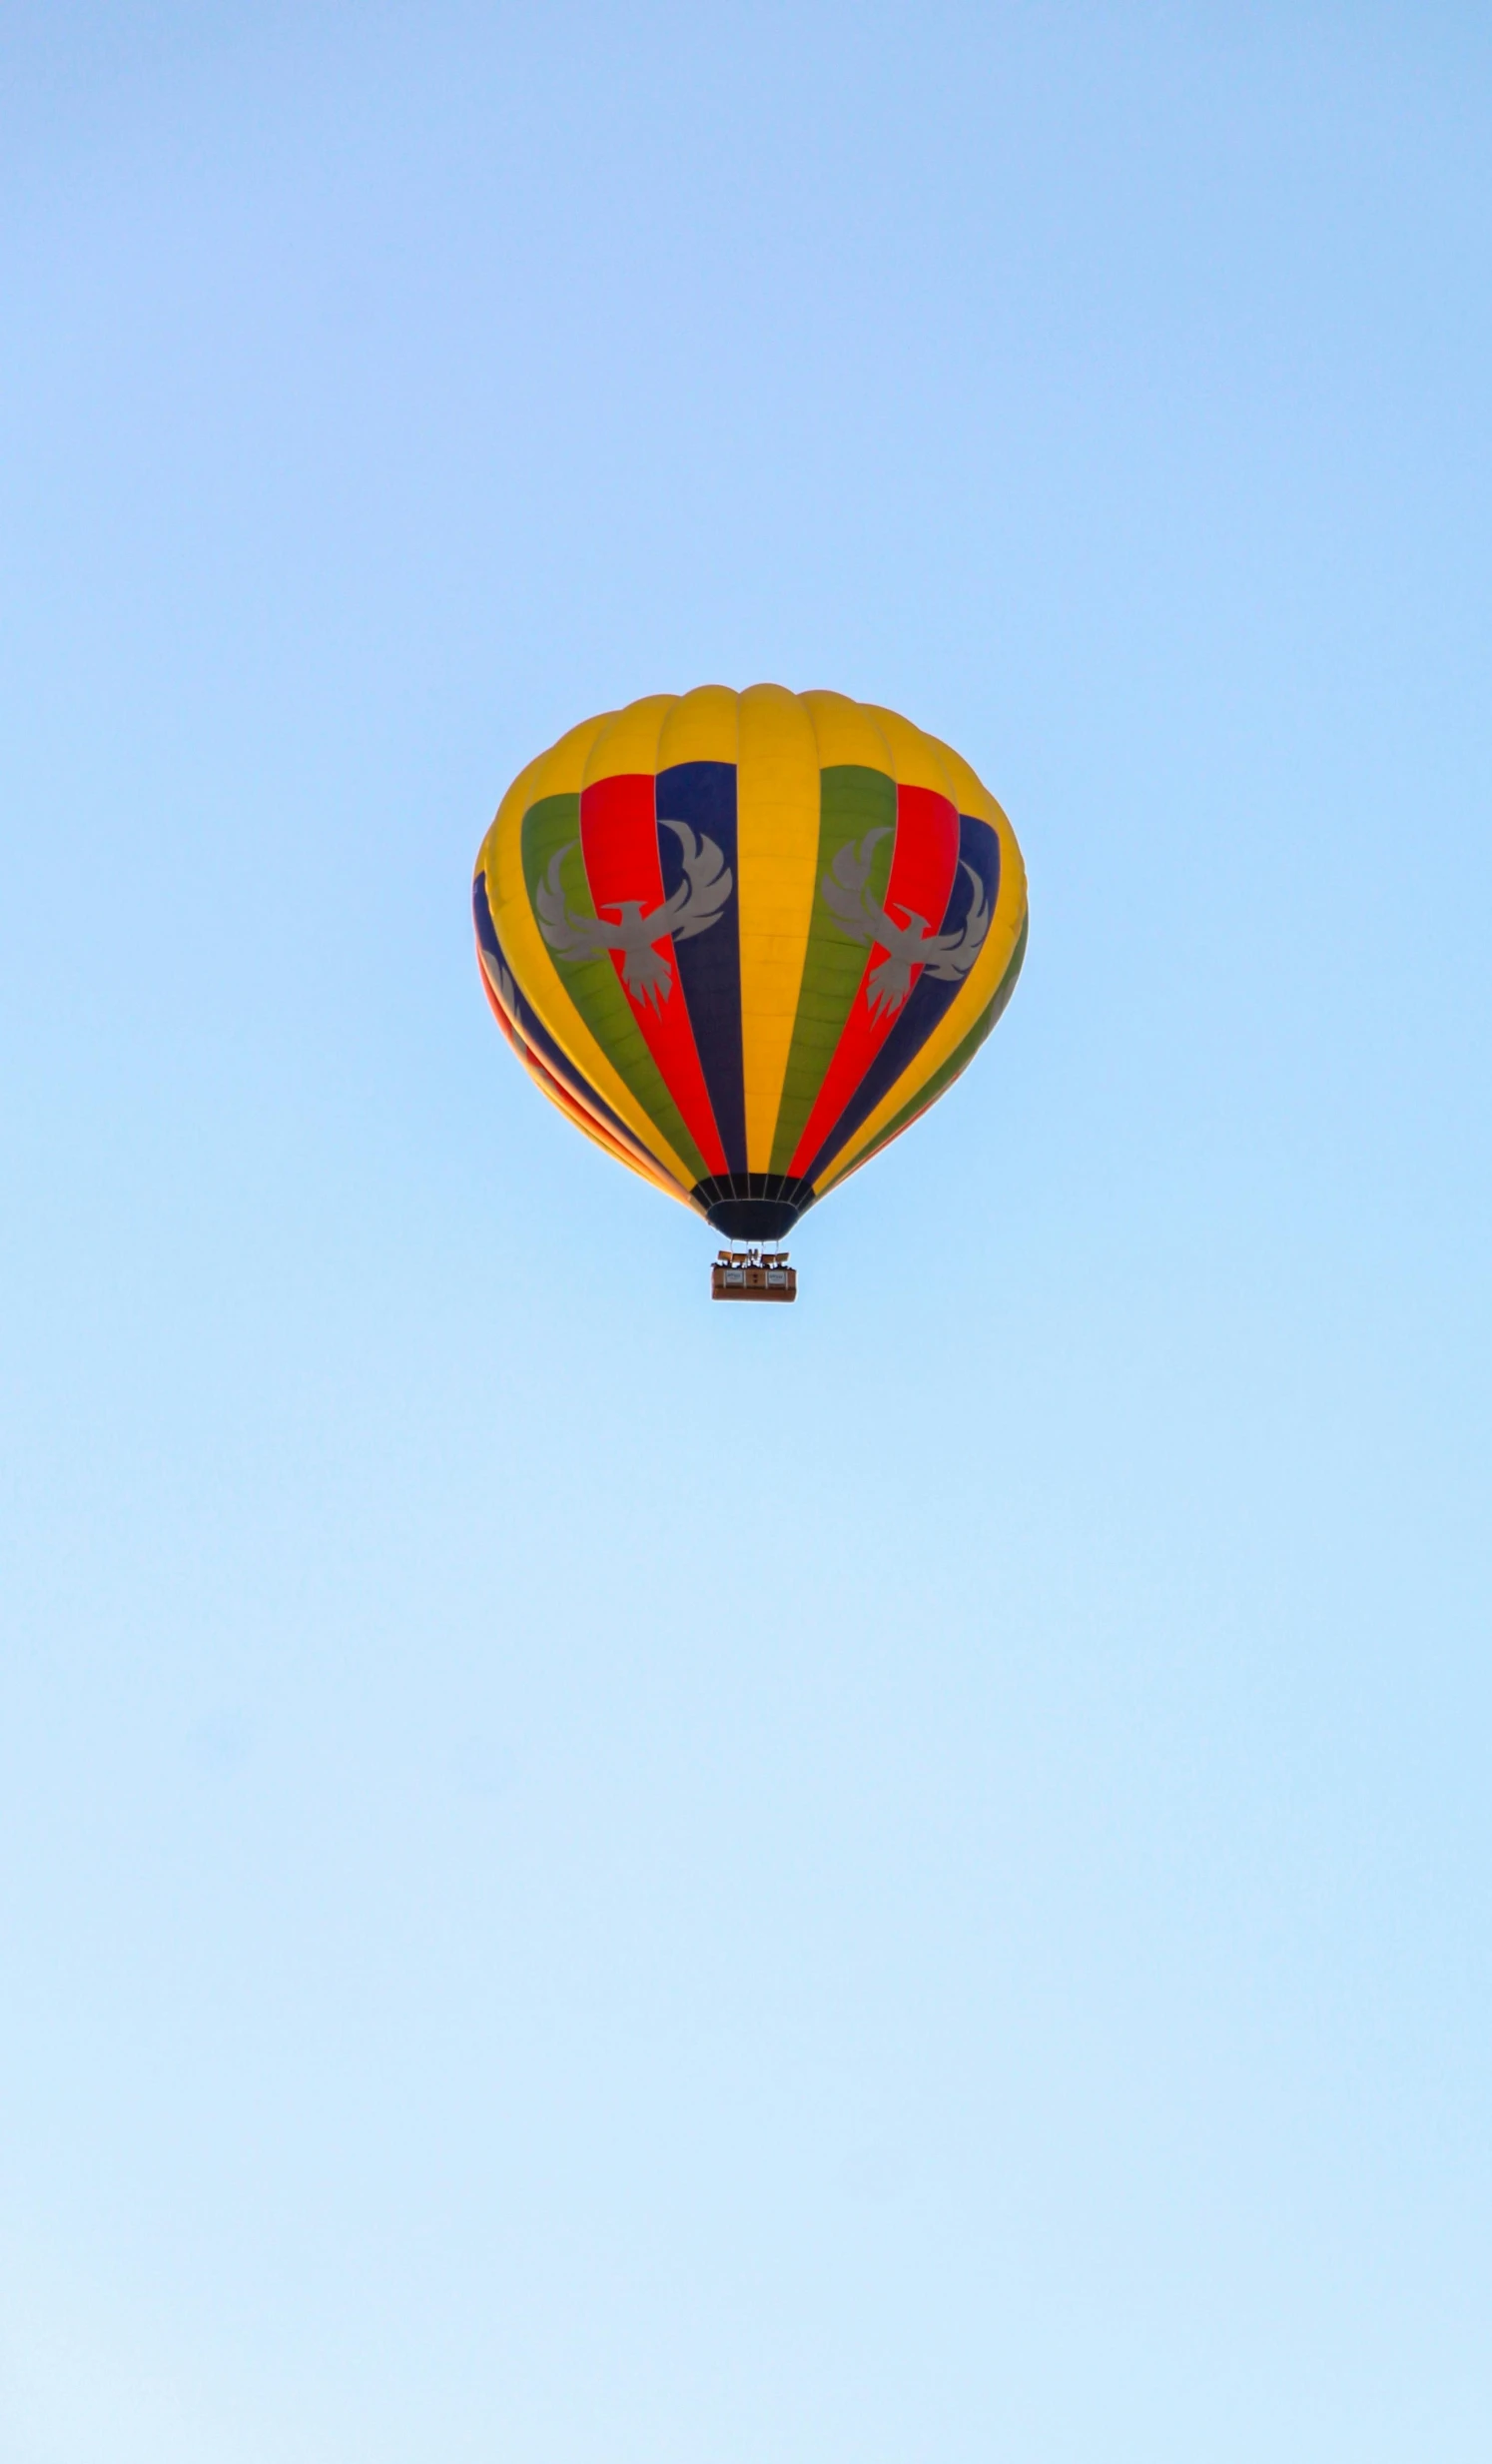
(753, 1274)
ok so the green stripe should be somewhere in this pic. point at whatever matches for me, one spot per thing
(958, 1060)
(852, 801)
(592, 983)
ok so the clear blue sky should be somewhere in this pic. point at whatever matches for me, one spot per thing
(590, 1879)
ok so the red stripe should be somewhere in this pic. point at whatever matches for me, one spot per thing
(923, 862)
(620, 842)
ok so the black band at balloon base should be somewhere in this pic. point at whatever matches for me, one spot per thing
(752, 1206)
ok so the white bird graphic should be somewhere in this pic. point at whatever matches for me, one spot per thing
(948, 956)
(696, 905)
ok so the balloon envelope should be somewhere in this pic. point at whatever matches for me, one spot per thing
(743, 939)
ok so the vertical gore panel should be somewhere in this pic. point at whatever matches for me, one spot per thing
(847, 735)
(916, 758)
(551, 828)
(701, 797)
(853, 802)
(700, 726)
(629, 739)
(932, 995)
(967, 788)
(777, 819)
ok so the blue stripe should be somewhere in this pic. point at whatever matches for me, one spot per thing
(979, 847)
(702, 794)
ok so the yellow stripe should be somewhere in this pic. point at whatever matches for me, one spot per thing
(777, 800)
(629, 743)
(847, 734)
(916, 756)
(972, 795)
(518, 796)
(558, 772)
(981, 985)
(701, 726)
(561, 771)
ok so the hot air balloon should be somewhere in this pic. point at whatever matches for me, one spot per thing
(743, 939)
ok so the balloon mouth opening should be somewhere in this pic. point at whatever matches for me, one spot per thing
(752, 1206)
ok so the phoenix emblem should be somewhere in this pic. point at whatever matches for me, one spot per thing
(948, 956)
(696, 905)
